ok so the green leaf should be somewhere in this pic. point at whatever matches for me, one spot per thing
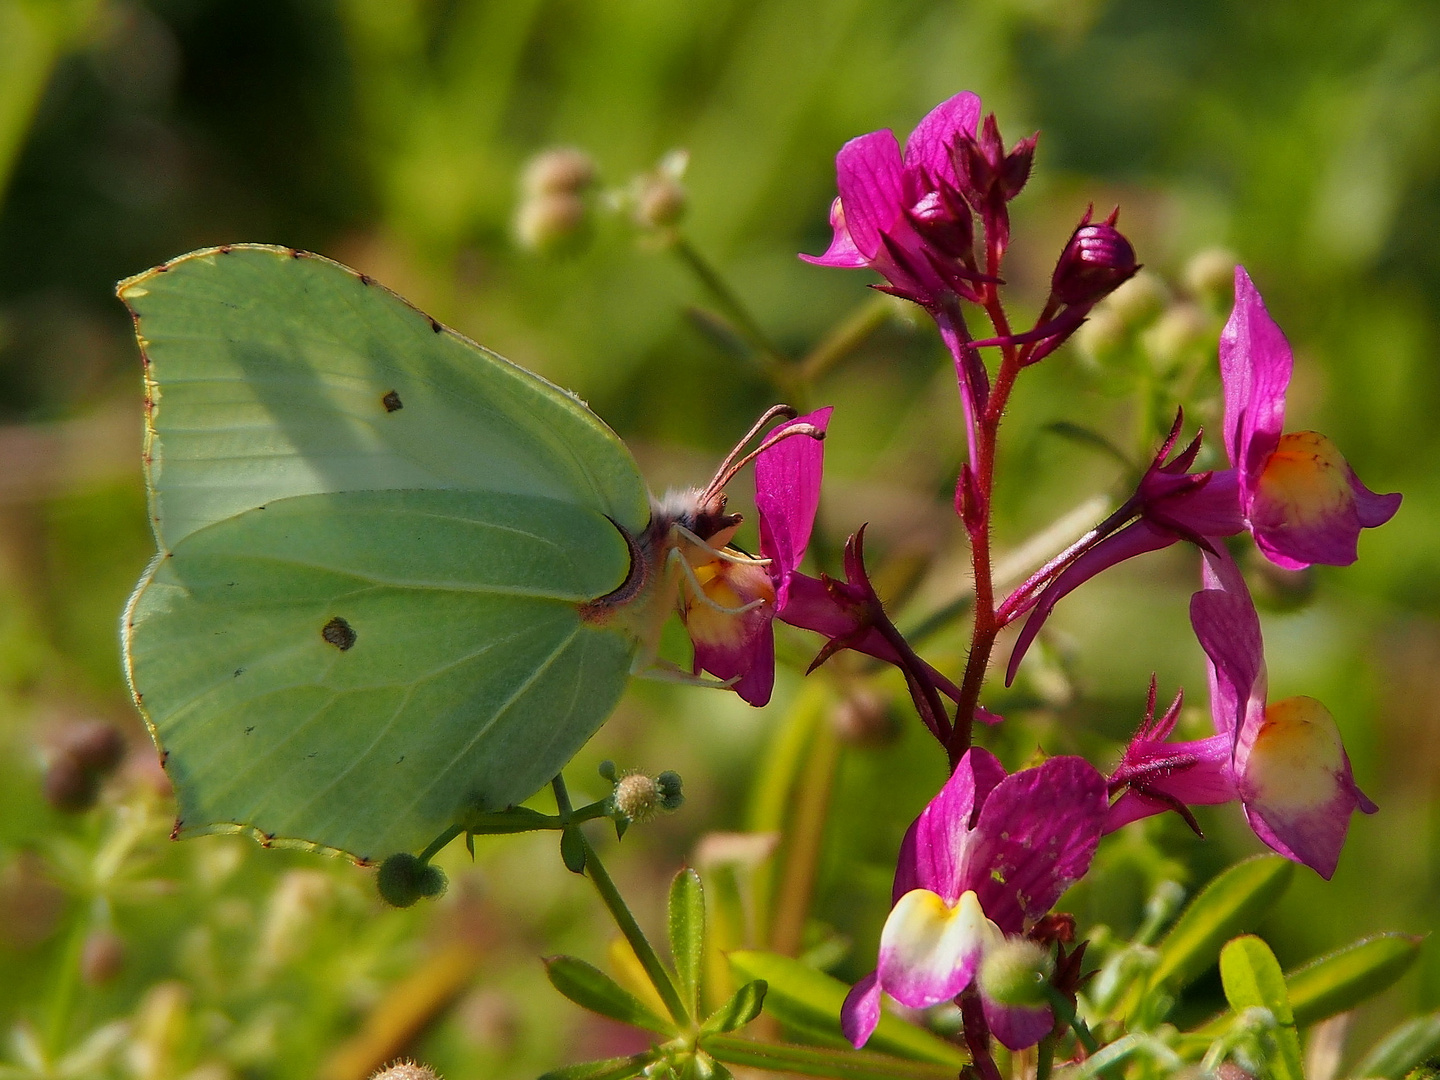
(1233, 902)
(606, 1069)
(739, 1010)
(815, 1061)
(1403, 1049)
(810, 1000)
(572, 849)
(592, 989)
(687, 935)
(1339, 981)
(1252, 979)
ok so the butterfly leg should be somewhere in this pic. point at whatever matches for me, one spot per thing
(677, 557)
(729, 556)
(660, 670)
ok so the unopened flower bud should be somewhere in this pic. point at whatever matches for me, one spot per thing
(1101, 336)
(546, 221)
(404, 879)
(561, 171)
(660, 202)
(102, 957)
(405, 1070)
(1210, 275)
(863, 719)
(1094, 263)
(672, 795)
(1016, 973)
(1182, 329)
(69, 786)
(94, 744)
(1138, 301)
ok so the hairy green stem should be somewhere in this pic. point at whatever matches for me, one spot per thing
(620, 912)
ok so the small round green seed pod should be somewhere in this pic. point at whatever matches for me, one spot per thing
(672, 797)
(1016, 973)
(403, 879)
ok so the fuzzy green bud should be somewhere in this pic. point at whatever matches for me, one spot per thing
(639, 797)
(404, 879)
(1016, 973)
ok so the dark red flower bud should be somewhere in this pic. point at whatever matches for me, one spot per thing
(1016, 168)
(943, 220)
(1096, 261)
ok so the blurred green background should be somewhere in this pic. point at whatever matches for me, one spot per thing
(390, 134)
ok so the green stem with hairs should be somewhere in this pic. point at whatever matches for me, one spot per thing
(624, 919)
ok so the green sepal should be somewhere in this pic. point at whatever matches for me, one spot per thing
(1406, 1047)
(809, 1001)
(606, 1069)
(701, 1066)
(844, 1064)
(590, 988)
(572, 850)
(1232, 903)
(1252, 979)
(687, 935)
(743, 1007)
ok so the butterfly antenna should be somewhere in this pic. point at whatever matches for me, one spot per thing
(733, 463)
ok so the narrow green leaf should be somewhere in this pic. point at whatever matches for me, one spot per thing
(1084, 436)
(1403, 1049)
(810, 1000)
(687, 935)
(1232, 903)
(1252, 979)
(739, 1010)
(515, 820)
(572, 849)
(592, 989)
(816, 1061)
(606, 1069)
(1339, 981)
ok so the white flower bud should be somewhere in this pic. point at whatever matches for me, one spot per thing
(545, 221)
(637, 796)
(406, 1070)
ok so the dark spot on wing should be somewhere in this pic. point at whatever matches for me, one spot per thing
(294, 254)
(366, 279)
(249, 729)
(392, 401)
(238, 672)
(267, 839)
(175, 832)
(338, 633)
(435, 325)
(225, 249)
(399, 759)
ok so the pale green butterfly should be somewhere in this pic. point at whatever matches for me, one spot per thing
(399, 578)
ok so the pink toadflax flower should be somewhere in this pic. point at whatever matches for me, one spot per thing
(903, 215)
(730, 626)
(1300, 498)
(1296, 495)
(1285, 761)
(985, 860)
